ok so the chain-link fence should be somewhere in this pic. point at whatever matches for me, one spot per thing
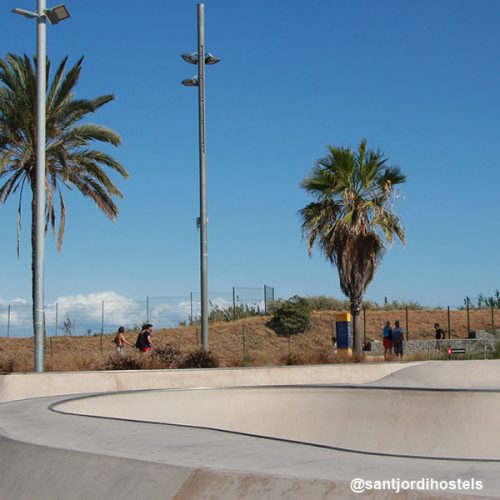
(104, 313)
(456, 322)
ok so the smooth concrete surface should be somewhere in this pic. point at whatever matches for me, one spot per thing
(51, 455)
(420, 423)
(15, 386)
(58, 448)
(473, 374)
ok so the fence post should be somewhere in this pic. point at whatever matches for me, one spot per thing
(492, 318)
(449, 323)
(234, 303)
(468, 317)
(8, 322)
(407, 325)
(244, 339)
(191, 317)
(57, 307)
(265, 300)
(364, 325)
(102, 324)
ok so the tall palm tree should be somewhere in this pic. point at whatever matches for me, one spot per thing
(71, 161)
(352, 218)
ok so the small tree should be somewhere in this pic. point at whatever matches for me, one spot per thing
(68, 327)
(291, 317)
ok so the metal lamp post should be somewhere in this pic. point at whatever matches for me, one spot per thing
(201, 59)
(56, 14)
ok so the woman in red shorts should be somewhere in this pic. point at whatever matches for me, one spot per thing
(387, 341)
(146, 344)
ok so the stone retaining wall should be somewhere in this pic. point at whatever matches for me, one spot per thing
(483, 345)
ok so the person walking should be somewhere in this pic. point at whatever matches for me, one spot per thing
(397, 340)
(439, 335)
(144, 340)
(387, 341)
(121, 341)
(439, 332)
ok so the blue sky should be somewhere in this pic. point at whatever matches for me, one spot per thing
(419, 79)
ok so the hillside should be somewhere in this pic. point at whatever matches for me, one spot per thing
(247, 341)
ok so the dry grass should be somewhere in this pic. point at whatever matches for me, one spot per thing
(246, 342)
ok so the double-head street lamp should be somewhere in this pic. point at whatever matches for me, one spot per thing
(54, 15)
(201, 58)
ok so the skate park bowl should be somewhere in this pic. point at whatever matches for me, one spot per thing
(250, 433)
(318, 416)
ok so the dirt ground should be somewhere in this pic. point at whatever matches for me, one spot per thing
(237, 343)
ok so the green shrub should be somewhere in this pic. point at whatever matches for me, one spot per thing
(198, 359)
(240, 311)
(230, 313)
(291, 317)
(325, 303)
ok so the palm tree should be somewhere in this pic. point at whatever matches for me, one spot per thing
(352, 218)
(71, 161)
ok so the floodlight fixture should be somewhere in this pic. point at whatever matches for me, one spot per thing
(25, 13)
(211, 59)
(190, 58)
(57, 13)
(190, 82)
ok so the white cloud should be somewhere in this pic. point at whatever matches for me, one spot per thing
(86, 312)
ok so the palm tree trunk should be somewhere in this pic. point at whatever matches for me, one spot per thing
(356, 325)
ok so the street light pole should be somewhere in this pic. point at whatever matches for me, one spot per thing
(56, 14)
(203, 178)
(39, 305)
(202, 58)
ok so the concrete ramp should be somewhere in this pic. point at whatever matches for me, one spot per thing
(402, 422)
(474, 374)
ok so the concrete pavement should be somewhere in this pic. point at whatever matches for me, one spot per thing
(47, 455)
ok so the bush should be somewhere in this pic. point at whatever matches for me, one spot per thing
(198, 359)
(325, 303)
(124, 363)
(230, 313)
(292, 359)
(321, 357)
(238, 362)
(7, 365)
(291, 317)
(166, 354)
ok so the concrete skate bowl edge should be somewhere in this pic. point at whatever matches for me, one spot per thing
(451, 424)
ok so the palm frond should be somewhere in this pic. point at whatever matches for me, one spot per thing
(351, 219)
(71, 159)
